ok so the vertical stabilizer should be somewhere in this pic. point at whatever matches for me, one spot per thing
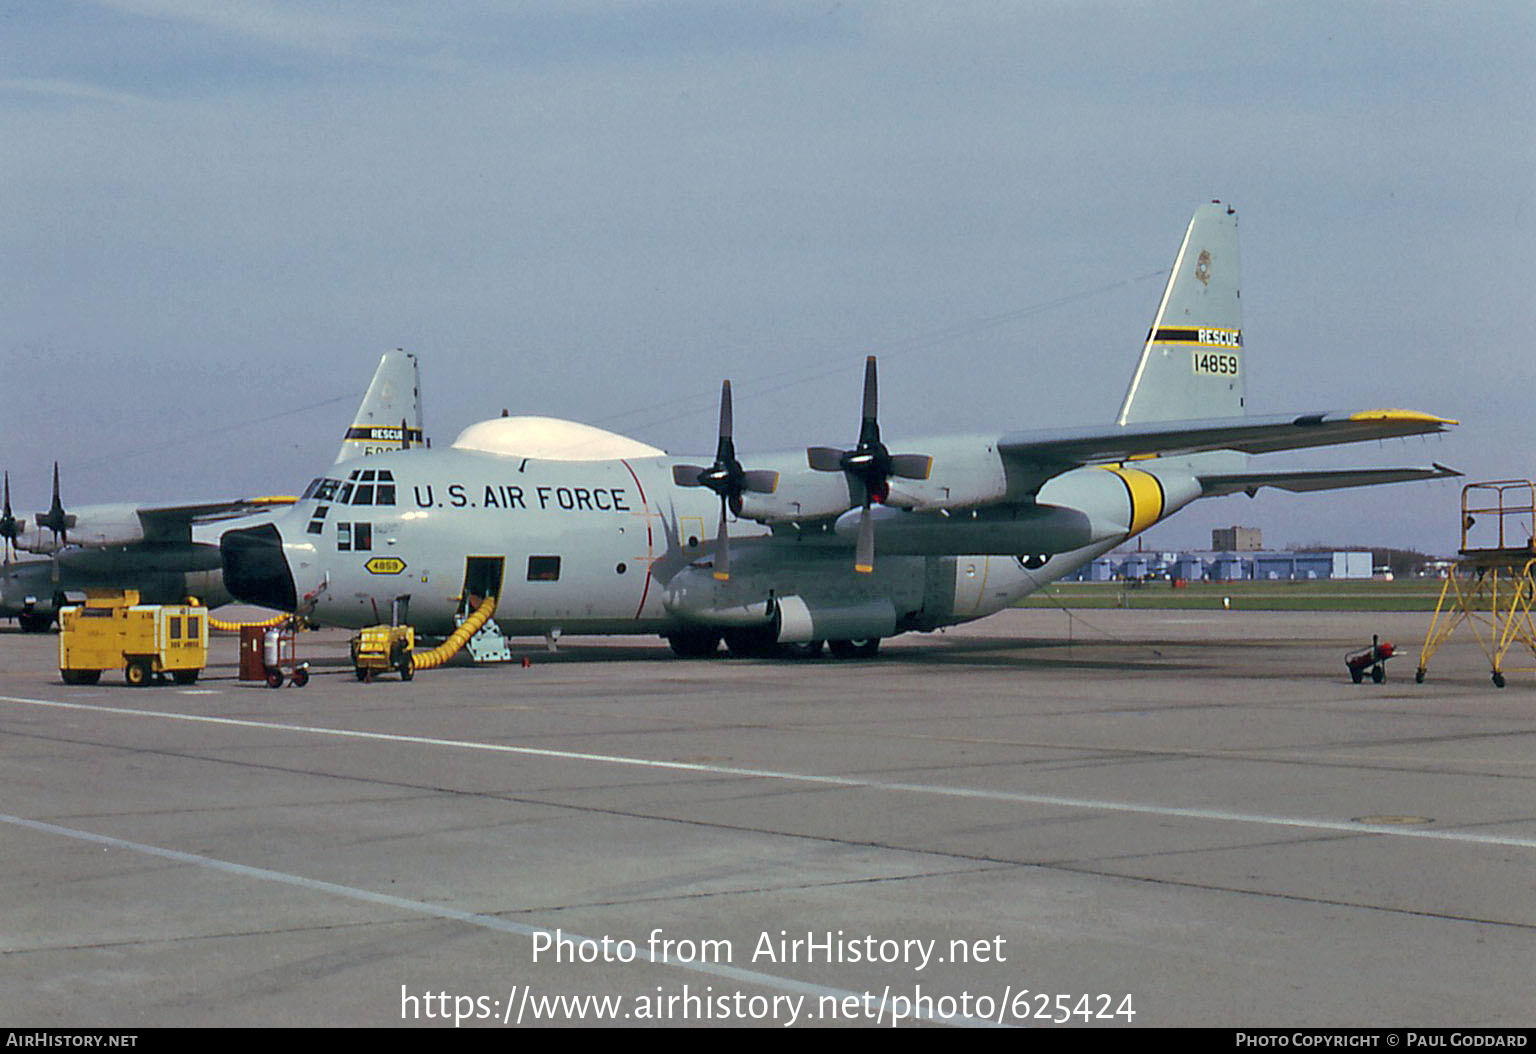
(1192, 365)
(390, 415)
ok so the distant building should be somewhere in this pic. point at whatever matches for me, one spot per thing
(1351, 565)
(1225, 566)
(1237, 539)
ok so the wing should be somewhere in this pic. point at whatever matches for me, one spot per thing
(1043, 454)
(173, 523)
(1217, 484)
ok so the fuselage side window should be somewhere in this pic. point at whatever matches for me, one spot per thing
(543, 568)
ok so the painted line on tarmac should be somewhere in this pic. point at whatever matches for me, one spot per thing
(851, 782)
(642, 951)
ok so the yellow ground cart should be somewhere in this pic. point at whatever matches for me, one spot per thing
(148, 642)
(378, 649)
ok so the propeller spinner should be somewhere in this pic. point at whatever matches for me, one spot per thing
(872, 465)
(726, 478)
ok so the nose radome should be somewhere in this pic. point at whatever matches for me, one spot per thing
(255, 569)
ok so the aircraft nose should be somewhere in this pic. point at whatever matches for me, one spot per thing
(255, 569)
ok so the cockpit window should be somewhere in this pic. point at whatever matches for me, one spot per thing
(346, 494)
(363, 495)
(327, 490)
(309, 491)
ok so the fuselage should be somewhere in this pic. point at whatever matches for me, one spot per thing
(615, 546)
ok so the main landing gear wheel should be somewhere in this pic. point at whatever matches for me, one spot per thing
(694, 644)
(758, 642)
(1498, 679)
(34, 623)
(810, 649)
(855, 649)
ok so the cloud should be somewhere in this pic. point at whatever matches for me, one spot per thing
(283, 25)
(64, 89)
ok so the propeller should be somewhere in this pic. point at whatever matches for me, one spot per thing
(56, 519)
(726, 478)
(872, 465)
(10, 526)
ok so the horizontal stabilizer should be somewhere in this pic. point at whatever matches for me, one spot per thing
(1328, 479)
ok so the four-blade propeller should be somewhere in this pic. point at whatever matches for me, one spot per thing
(871, 465)
(726, 478)
(10, 526)
(56, 519)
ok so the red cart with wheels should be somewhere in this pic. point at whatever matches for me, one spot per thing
(1373, 659)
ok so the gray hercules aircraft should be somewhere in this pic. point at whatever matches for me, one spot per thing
(171, 551)
(576, 530)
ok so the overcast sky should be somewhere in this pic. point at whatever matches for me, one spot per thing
(218, 215)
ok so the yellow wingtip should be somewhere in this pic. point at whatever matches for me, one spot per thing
(1402, 415)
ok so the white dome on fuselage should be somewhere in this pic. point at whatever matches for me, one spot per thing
(550, 439)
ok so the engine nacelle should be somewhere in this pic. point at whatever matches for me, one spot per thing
(965, 472)
(800, 495)
(95, 526)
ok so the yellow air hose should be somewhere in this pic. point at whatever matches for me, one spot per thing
(235, 627)
(449, 648)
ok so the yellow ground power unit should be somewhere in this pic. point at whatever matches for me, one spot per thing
(378, 649)
(148, 642)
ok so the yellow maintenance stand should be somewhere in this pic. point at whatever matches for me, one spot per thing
(114, 631)
(1491, 590)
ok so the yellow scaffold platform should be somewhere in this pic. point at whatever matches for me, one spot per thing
(1491, 590)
